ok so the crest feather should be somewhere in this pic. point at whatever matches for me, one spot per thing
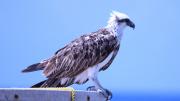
(117, 15)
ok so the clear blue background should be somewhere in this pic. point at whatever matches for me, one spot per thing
(149, 57)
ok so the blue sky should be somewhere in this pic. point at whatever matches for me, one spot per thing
(149, 57)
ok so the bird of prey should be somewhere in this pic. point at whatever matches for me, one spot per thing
(82, 59)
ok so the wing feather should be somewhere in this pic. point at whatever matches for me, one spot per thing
(84, 52)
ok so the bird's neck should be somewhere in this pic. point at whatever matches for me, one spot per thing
(116, 29)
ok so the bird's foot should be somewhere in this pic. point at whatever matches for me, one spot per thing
(91, 88)
(106, 93)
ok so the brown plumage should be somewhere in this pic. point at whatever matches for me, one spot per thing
(76, 57)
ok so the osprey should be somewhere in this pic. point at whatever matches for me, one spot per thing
(82, 59)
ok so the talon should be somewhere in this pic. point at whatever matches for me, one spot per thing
(109, 94)
(106, 93)
(91, 88)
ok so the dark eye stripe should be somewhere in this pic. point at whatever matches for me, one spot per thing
(124, 20)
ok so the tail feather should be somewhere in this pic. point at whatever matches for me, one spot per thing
(47, 83)
(34, 67)
(53, 82)
(38, 84)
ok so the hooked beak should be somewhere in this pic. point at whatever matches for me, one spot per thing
(131, 24)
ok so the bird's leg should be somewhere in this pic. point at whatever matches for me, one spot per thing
(99, 88)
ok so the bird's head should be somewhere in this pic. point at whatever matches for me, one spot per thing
(121, 20)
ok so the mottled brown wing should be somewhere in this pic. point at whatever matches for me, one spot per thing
(84, 52)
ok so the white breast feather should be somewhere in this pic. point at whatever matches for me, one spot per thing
(105, 61)
(92, 71)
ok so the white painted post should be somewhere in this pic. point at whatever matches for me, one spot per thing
(45, 94)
